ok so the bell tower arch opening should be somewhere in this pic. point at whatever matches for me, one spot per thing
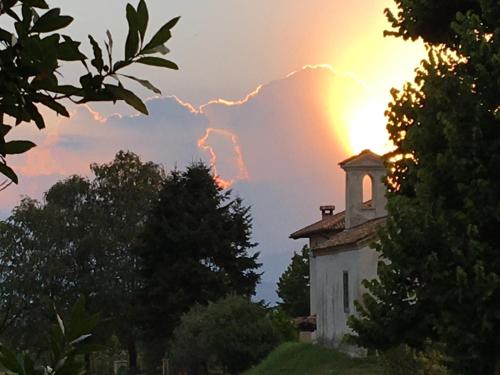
(365, 191)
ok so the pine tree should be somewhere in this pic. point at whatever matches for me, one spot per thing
(293, 285)
(440, 275)
(194, 250)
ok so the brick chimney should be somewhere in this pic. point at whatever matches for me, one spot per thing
(326, 211)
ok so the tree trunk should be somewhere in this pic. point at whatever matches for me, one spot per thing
(132, 354)
(497, 367)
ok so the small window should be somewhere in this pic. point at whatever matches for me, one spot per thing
(367, 191)
(346, 292)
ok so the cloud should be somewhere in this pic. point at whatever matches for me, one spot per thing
(229, 162)
(278, 148)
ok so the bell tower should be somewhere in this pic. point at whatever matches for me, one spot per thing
(366, 168)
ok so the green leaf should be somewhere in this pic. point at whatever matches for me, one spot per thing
(49, 46)
(7, 171)
(52, 104)
(35, 115)
(4, 129)
(97, 61)
(160, 49)
(144, 83)
(170, 24)
(132, 43)
(18, 147)
(5, 36)
(51, 21)
(109, 47)
(7, 4)
(8, 358)
(91, 84)
(60, 323)
(67, 90)
(80, 324)
(36, 3)
(77, 312)
(27, 15)
(13, 14)
(142, 18)
(79, 329)
(162, 35)
(129, 97)
(21, 29)
(80, 339)
(110, 40)
(158, 61)
(69, 50)
(120, 64)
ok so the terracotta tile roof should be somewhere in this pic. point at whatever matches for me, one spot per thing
(333, 223)
(330, 223)
(353, 235)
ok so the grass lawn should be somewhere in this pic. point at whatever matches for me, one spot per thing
(295, 358)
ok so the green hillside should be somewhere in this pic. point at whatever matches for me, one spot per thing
(305, 359)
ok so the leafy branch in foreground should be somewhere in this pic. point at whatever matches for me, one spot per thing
(68, 342)
(34, 50)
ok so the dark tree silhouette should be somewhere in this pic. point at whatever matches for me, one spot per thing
(293, 285)
(440, 275)
(195, 249)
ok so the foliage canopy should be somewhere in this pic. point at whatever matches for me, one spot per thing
(194, 249)
(32, 50)
(293, 285)
(68, 340)
(441, 277)
(77, 242)
(232, 334)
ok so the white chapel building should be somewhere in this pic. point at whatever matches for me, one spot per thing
(341, 256)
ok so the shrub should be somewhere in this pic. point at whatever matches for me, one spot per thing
(283, 325)
(403, 360)
(232, 335)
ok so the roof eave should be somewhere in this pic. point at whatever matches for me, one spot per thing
(347, 246)
(296, 235)
(365, 152)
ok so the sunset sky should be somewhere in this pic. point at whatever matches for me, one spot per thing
(276, 92)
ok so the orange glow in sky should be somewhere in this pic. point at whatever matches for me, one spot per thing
(375, 64)
(346, 37)
(356, 107)
(236, 159)
(366, 128)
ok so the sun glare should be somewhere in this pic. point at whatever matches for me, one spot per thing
(356, 113)
(366, 128)
(375, 64)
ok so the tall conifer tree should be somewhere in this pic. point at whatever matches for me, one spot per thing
(195, 249)
(440, 278)
(293, 285)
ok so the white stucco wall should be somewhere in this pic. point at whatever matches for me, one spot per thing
(327, 298)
